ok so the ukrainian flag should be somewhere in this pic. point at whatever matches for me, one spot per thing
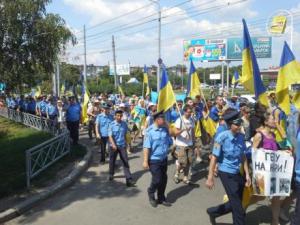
(146, 81)
(193, 88)
(288, 74)
(251, 78)
(86, 99)
(166, 97)
(235, 78)
(38, 92)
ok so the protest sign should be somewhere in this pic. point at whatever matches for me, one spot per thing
(272, 172)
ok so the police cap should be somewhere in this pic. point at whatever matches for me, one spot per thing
(158, 115)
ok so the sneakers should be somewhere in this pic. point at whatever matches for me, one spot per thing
(153, 202)
(130, 183)
(212, 219)
(165, 203)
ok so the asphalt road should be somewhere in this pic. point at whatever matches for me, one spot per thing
(95, 200)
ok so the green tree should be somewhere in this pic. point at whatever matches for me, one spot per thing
(31, 40)
(70, 74)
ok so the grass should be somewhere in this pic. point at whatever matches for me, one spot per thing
(15, 139)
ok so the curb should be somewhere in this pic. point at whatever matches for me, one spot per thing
(53, 189)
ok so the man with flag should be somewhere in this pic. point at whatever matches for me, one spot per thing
(156, 145)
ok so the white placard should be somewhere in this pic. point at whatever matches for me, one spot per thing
(215, 76)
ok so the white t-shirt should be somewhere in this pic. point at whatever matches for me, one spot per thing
(186, 137)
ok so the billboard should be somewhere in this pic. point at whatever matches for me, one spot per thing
(215, 76)
(121, 70)
(262, 47)
(204, 49)
(278, 25)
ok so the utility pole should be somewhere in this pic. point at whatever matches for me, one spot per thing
(84, 66)
(114, 58)
(58, 79)
(227, 63)
(222, 76)
(159, 46)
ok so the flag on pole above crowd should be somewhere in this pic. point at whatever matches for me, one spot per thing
(235, 78)
(251, 78)
(193, 88)
(38, 92)
(146, 81)
(86, 98)
(289, 73)
(166, 97)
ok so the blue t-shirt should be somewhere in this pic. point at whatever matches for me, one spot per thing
(214, 114)
(157, 140)
(229, 149)
(31, 106)
(73, 112)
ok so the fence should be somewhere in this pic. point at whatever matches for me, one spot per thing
(37, 122)
(40, 157)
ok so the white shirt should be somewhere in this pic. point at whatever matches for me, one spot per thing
(186, 137)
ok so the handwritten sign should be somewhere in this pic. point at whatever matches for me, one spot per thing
(272, 172)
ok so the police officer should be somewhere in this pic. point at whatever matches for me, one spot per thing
(73, 115)
(228, 152)
(102, 123)
(156, 144)
(117, 138)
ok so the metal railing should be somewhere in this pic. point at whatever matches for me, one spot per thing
(37, 122)
(43, 155)
(40, 157)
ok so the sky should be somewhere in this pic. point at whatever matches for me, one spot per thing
(134, 25)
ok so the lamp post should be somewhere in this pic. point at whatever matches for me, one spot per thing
(157, 2)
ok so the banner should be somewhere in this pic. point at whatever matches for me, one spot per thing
(262, 47)
(278, 25)
(205, 49)
(272, 172)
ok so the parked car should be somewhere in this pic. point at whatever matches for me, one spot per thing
(248, 98)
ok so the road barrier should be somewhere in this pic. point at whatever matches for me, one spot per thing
(40, 157)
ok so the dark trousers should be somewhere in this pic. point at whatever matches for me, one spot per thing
(91, 128)
(124, 158)
(159, 180)
(234, 186)
(103, 144)
(296, 219)
(73, 127)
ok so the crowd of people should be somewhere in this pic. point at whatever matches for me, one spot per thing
(228, 128)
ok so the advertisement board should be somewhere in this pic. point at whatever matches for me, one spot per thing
(262, 47)
(215, 76)
(205, 49)
(278, 25)
(121, 70)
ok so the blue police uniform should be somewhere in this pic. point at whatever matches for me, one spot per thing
(73, 115)
(51, 111)
(43, 107)
(296, 219)
(157, 141)
(118, 131)
(31, 107)
(229, 149)
(103, 122)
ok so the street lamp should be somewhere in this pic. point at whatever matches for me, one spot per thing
(157, 2)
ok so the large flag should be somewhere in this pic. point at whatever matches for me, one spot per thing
(85, 102)
(251, 78)
(288, 74)
(235, 78)
(146, 81)
(166, 97)
(193, 88)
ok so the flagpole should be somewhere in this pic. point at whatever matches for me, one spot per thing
(143, 87)
(232, 90)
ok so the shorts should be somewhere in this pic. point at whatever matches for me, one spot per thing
(198, 142)
(185, 155)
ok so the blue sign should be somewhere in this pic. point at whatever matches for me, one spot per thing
(262, 47)
(205, 49)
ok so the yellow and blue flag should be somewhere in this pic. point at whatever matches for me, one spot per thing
(289, 73)
(38, 92)
(251, 78)
(166, 97)
(235, 78)
(146, 81)
(193, 88)
(86, 99)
